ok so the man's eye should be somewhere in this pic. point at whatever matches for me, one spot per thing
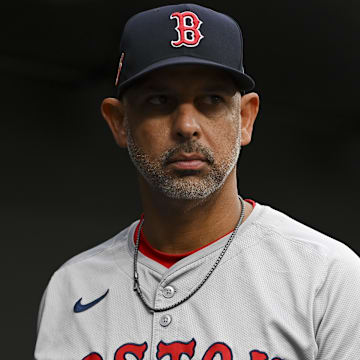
(213, 99)
(158, 100)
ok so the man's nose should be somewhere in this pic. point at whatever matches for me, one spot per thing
(186, 121)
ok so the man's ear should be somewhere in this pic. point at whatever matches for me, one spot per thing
(112, 110)
(249, 110)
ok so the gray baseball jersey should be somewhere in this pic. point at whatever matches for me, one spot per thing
(282, 291)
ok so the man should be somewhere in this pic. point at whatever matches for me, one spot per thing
(202, 274)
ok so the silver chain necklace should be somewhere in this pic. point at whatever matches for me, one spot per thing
(136, 275)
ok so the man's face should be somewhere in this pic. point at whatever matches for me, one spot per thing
(183, 109)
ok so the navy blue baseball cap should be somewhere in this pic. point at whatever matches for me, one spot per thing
(177, 35)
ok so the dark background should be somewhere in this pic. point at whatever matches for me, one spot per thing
(67, 187)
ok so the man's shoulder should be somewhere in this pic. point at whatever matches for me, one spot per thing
(101, 252)
(295, 234)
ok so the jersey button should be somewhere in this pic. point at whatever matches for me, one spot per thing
(168, 291)
(165, 320)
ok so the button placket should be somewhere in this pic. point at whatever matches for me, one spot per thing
(168, 291)
(165, 320)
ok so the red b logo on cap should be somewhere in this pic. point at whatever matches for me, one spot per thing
(189, 35)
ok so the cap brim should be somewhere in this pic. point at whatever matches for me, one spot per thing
(244, 81)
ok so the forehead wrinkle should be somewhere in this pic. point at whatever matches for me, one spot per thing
(213, 88)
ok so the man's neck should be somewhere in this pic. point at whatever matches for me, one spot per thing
(175, 226)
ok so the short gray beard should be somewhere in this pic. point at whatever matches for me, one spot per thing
(183, 187)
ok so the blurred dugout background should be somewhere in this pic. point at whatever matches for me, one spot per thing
(67, 187)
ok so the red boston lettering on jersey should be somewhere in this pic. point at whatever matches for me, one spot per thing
(218, 348)
(138, 350)
(176, 349)
(189, 35)
(93, 356)
(259, 355)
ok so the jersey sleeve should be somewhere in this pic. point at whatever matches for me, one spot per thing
(41, 310)
(337, 307)
(52, 332)
(43, 322)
